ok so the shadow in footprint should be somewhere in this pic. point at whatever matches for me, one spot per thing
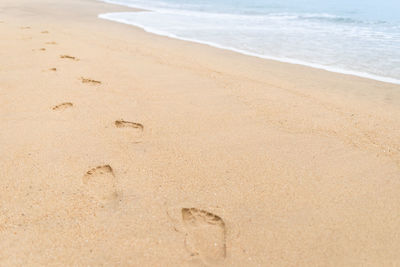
(205, 235)
(101, 183)
(63, 106)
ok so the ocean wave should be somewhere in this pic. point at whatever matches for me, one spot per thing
(169, 8)
(114, 17)
(175, 9)
(321, 40)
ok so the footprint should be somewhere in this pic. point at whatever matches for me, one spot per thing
(135, 128)
(51, 43)
(62, 106)
(205, 235)
(69, 57)
(128, 124)
(101, 183)
(44, 32)
(84, 80)
(25, 28)
(42, 49)
(53, 69)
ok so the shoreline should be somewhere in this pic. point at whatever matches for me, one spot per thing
(121, 147)
(108, 16)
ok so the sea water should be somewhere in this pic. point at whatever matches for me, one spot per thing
(359, 37)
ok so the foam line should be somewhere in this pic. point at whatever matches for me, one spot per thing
(112, 17)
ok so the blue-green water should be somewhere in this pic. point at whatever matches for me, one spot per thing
(354, 36)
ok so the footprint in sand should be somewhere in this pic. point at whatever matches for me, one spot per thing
(101, 183)
(128, 124)
(53, 69)
(25, 28)
(51, 43)
(63, 106)
(42, 49)
(90, 81)
(137, 128)
(44, 32)
(69, 57)
(205, 235)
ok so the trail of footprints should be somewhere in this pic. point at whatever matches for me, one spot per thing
(205, 232)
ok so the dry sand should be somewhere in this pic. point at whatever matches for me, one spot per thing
(118, 147)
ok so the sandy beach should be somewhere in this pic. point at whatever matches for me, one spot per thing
(123, 148)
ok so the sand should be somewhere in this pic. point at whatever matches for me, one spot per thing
(123, 148)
